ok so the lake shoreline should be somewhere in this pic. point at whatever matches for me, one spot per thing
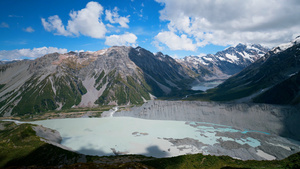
(266, 127)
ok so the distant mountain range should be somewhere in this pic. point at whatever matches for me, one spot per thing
(274, 78)
(7, 62)
(115, 76)
(225, 63)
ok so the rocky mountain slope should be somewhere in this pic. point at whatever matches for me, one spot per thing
(274, 78)
(224, 63)
(118, 75)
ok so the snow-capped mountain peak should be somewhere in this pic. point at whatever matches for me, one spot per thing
(226, 62)
(285, 46)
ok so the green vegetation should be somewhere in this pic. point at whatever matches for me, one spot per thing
(68, 93)
(232, 94)
(42, 97)
(102, 83)
(142, 88)
(65, 113)
(81, 88)
(100, 77)
(217, 162)
(84, 109)
(1, 86)
(131, 89)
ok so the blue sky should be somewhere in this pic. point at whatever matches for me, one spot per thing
(176, 27)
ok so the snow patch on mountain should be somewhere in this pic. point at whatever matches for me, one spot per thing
(233, 58)
(284, 46)
(209, 59)
(100, 52)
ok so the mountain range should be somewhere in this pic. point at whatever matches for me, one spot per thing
(225, 63)
(124, 75)
(274, 78)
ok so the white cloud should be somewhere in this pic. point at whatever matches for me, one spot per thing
(54, 23)
(127, 39)
(78, 51)
(156, 44)
(232, 21)
(201, 55)
(175, 56)
(29, 29)
(29, 53)
(113, 17)
(174, 42)
(86, 21)
(109, 25)
(4, 25)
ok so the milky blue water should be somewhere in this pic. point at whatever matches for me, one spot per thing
(255, 131)
(206, 85)
(127, 135)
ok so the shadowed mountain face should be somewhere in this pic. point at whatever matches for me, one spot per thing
(274, 78)
(118, 75)
(286, 92)
(224, 63)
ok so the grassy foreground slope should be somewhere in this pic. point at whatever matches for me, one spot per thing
(20, 147)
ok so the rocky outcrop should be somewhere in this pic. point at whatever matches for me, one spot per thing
(48, 134)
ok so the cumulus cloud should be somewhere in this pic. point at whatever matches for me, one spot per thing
(113, 17)
(4, 25)
(55, 24)
(127, 39)
(174, 42)
(86, 21)
(232, 21)
(29, 29)
(29, 53)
